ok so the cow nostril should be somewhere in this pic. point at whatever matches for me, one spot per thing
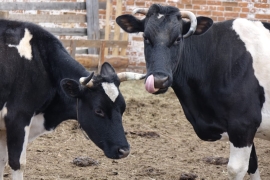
(161, 82)
(123, 152)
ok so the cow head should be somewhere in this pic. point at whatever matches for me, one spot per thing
(164, 31)
(100, 106)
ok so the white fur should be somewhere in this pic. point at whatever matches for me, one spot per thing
(3, 113)
(256, 175)
(23, 153)
(37, 127)
(238, 162)
(257, 42)
(224, 136)
(111, 90)
(17, 175)
(160, 16)
(3, 153)
(24, 47)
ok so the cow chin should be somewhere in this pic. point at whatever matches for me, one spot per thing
(161, 91)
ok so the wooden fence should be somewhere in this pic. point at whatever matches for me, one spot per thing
(111, 45)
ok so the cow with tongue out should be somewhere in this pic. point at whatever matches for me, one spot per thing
(219, 72)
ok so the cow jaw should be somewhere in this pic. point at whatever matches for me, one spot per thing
(150, 85)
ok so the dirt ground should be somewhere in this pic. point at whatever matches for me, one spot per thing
(163, 147)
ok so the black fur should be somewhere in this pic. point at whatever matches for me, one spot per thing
(211, 73)
(49, 84)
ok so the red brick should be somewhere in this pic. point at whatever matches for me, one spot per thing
(220, 8)
(188, 6)
(203, 7)
(228, 8)
(130, 2)
(245, 10)
(243, 4)
(243, 15)
(212, 8)
(215, 19)
(230, 3)
(214, 2)
(186, 1)
(141, 4)
(259, 5)
(196, 7)
(229, 18)
(159, 1)
(217, 13)
(204, 13)
(137, 38)
(262, 16)
(199, 2)
(231, 14)
(221, 18)
(180, 6)
(237, 9)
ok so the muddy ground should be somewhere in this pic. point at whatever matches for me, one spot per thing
(163, 147)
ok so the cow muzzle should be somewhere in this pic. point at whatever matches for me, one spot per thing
(123, 152)
(157, 84)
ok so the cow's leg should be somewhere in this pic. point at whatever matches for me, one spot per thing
(37, 127)
(238, 162)
(253, 170)
(3, 153)
(17, 139)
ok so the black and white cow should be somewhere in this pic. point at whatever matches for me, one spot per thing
(220, 73)
(42, 86)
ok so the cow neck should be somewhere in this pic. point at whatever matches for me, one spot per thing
(77, 111)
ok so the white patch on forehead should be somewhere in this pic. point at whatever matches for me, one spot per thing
(24, 47)
(111, 90)
(257, 41)
(160, 16)
(3, 113)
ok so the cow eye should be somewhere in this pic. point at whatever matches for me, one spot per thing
(99, 112)
(146, 40)
(178, 40)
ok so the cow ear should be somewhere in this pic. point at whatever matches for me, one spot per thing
(107, 69)
(130, 24)
(203, 24)
(71, 88)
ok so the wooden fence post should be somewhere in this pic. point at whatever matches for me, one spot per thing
(4, 14)
(101, 55)
(117, 28)
(73, 48)
(107, 25)
(92, 7)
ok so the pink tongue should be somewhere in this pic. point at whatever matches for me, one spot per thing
(149, 84)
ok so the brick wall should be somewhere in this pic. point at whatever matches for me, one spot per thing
(218, 10)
